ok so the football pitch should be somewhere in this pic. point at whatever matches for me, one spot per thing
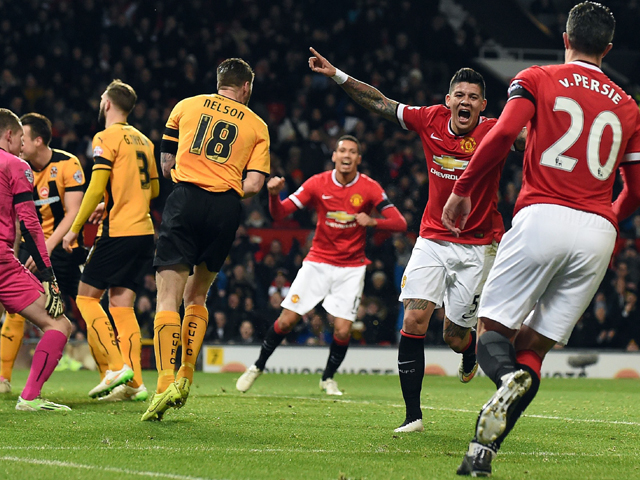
(285, 428)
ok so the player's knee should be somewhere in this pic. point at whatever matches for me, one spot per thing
(343, 333)
(415, 322)
(455, 342)
(61, 324)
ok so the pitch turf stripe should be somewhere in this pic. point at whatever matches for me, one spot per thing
(56, 463)
(445, 409)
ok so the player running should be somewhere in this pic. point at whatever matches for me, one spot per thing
(334, 269)
(552, 261)
(443, 269)
(211, 140)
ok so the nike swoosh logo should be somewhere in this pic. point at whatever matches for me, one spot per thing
(324, 197)
(435, 138)
(402, 363)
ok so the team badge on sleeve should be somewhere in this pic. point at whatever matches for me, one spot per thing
(97, 151)
(29, 174)
(78, 175)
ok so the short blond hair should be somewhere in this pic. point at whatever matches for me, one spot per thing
(122, 95)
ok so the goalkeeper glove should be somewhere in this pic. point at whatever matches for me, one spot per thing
(54, 303)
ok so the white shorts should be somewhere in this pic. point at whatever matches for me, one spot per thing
(340, 287)
(449, 274)
(549, 267)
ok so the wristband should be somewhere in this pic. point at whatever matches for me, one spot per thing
(340, 77)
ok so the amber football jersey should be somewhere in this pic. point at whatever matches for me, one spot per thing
(215, 139)
(62, 174)
(128, 154)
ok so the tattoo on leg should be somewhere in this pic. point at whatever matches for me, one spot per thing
(452, 330)
(415, 304)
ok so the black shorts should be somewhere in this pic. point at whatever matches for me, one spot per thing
(119, 262)
(66, 267)
(197, 226)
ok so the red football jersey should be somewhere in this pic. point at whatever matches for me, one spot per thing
(583, 127)
(339, 240)
(447, 156)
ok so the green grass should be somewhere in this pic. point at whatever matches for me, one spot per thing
(284, 428)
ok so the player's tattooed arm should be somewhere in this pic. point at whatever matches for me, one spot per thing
(365, 95)
(371, 98)
(415, 304)
(167, 162)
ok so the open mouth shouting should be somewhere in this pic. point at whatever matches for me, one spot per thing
(464, 116)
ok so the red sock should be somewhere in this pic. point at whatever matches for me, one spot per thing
(531, 359)
(45, 360)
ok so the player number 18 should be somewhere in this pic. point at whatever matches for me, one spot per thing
(553, 156)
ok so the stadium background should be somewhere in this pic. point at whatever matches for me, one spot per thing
(58, 56)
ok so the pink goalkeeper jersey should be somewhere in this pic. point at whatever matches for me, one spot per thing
(447, 156)
(584, 126)
(16, 180)
(339, 240)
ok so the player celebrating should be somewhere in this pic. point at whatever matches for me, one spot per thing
(58, 191)
(552, 261)
(20, 291)
(335, 267)
(443, 269)
(125, 174)
(211, 140)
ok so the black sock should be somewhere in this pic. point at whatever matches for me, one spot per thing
(271, 342)
(469, 355)
(337, 353)
(496, 356)
(518, 408)
(411, 371)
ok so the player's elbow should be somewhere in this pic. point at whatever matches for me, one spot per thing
(403, 224)
(252, 185)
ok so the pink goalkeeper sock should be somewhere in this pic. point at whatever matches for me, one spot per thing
(45, 360)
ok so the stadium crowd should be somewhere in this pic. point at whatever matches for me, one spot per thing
(58, 56)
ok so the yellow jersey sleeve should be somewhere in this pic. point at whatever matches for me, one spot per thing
(104, 150)
(260, 160)
(73, 175)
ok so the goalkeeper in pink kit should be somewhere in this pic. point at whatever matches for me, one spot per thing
(20, 291)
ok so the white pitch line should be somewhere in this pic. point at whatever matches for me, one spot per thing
(445, 409)
(56, 463)
(376, 451)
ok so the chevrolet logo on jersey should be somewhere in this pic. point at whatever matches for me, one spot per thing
(341, 217)
(450, 163)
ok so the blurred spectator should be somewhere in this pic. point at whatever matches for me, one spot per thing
(246, 333)
(219, 330)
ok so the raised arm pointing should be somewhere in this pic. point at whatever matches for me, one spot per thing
(366, 95)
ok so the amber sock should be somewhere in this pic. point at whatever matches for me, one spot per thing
(129, 340)
(102, 336)
(166, 339)
(98, 354)
(194, 326)
(10, 341)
